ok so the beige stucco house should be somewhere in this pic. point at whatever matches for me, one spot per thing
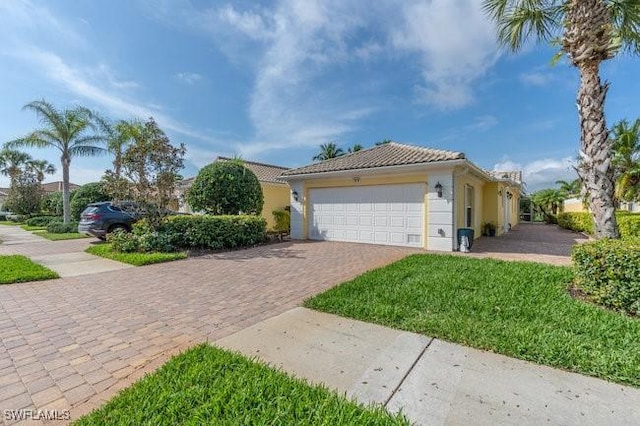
(275, 190)
(397, 194)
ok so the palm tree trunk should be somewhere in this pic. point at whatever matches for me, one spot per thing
(66, 208)
(595, 167)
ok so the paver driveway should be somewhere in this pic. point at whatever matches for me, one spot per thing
(73, 342)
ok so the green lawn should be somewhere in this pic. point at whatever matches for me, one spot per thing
(207, 385)
(519, 309)
(137, 259)
(33, 228)
(58, 237)
(17, 269)
(8, 222)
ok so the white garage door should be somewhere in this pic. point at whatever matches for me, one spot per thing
(380, 214)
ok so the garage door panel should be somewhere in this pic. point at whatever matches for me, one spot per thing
(381, 214)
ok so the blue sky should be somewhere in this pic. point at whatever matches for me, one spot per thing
(270, 81)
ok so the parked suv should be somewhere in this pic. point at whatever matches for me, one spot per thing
(99, 219)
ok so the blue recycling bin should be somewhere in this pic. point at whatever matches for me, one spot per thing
(466, 232)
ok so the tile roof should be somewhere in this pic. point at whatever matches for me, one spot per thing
(513, 175)
(57, 186)
(264, 172)
(389, 154)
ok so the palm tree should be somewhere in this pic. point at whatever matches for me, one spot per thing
(327, 151)
(548, 199)
(355, 148)
(74, 132)
(570, 188)
(12, 163)
(626, 159)
(589, 32)
(41, 168)
(121, 135)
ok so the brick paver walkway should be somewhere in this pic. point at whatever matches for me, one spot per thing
(73, 342)
(531, 242)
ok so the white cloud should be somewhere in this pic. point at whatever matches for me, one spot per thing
(189, 77)
(483, 123)
(456, 45)
(540, 174)
(536, 78)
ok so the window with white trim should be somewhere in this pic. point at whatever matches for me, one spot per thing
(468, 206)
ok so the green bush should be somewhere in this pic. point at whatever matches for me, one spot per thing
(609, 272)
(62, 228)
(42, 220)
(3, 216)
(282, 219)
(577, 221)
(629, 224)
(226, 188)
(87, 194)
(214, 232)
(141, 239)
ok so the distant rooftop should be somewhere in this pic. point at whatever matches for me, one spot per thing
(57, 186)
(264, 172)
(512, 175)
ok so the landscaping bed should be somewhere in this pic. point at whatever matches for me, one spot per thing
(207, 385)
(135, 258)
(16, 269)
(519, 309)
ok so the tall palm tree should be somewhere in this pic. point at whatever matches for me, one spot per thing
(76, 132)
(327, 151)
(626, 159)
(41, 168)
(120, 136)
(589, 32)
(570, 188)
(12, 162)
(355, 148)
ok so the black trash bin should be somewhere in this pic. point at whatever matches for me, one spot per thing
(466, 232)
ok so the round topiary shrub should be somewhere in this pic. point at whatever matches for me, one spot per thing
(87, 194)
(226, 188)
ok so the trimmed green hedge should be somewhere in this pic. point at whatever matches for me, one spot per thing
(628, 223)
(609, 272)
(214, 232)
(577, 221)
(62, 228)
(42, 220)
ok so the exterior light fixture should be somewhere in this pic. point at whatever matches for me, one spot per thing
(294, 194)
(438, 189)
(500, 192)
(356, 179)
(509, 195)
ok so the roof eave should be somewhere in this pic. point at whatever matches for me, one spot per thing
(374, 170)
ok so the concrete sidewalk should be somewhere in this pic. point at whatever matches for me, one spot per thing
(66, 257)
(433, 382)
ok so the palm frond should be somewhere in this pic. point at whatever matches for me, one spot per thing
(33, 140)
(86, 151)
(626, 17)
(517, 21)
(47, 113)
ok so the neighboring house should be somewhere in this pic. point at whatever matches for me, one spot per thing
(398, 194)
(573, 205)
(3, 197)
(275, 191)
(51, 187)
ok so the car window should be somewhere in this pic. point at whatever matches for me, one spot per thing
(89, 210)
(115, 208)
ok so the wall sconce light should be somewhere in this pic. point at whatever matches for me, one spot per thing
(438, 189)
(500, 192)
(294, 194)
(509, 195)
(356, 179)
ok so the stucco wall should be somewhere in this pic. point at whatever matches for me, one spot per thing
(276, 197)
